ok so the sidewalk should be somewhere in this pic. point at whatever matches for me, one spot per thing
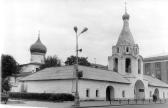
(83, 104)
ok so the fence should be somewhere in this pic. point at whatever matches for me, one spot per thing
(137, 101)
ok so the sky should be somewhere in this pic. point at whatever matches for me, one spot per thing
(22, 19)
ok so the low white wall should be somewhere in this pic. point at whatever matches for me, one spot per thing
(161, 91)
(51, 86)
(66, 86)
(101, 87)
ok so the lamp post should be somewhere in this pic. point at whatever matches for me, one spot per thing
(77, 103)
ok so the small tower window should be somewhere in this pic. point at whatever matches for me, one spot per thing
(139, 66)
(128, 65)
(118, 50)
(87, 92)
(136, 51)
(115, 69)
(127, 49)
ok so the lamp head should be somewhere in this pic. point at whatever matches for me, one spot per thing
(75, 29)
(84, 30)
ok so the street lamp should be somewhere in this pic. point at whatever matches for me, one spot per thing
(77, 103)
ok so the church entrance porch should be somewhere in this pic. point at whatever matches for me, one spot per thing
(139, 90)
(109, 93)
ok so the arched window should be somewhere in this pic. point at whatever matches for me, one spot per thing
(97, 93)
(123, 93)
(115, 62)
(127, 49)
(139, 66)
(128, 65)
(118, 50)
(136, 51)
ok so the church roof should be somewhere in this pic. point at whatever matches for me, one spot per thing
(67, 72)
(156, 58)
(125, 37)
(154, 81)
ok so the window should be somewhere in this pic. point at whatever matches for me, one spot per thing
(97, 93)
(118, 50)
(136, 50)
(167, 69)
(115, 69)
(127, 49)
(147, 69)
(87, 92)
(128, 65)
(158, 70)
(139, 66)
(123, 93)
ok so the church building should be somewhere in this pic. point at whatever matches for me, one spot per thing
(38, 51)
(123, 79)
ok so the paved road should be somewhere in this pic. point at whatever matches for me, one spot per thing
(69, 104)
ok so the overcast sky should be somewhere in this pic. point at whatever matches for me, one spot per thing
(56, 18)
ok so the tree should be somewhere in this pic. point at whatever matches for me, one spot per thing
(51, 61)
(81, 61)
(9, 67)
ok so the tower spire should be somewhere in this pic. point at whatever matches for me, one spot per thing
(125, 37)
(39, 34)
(125, 3)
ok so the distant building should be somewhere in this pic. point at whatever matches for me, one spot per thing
(157, 66)
(99, 66)
(123, 79)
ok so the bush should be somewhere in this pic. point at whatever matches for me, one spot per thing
(42, 96)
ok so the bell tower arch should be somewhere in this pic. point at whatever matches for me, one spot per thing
(125, 57)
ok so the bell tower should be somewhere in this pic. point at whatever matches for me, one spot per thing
(125, 57)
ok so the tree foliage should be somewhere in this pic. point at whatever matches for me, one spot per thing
(81, 61)
(9, 67)
(6, 84)
(51, 61)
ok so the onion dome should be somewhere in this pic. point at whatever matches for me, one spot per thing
(38, 47)
(125, 37)
(125, 16)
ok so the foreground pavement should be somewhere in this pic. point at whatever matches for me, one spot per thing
(94, 104)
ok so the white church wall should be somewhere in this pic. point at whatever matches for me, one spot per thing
(51, 86)
(132, 87)
(37, 58)
(101, 86)
(163, 92)
(110, 63)
(30, 68)
(16, 85)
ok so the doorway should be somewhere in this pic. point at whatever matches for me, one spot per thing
(139, 90)
(109, 93)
